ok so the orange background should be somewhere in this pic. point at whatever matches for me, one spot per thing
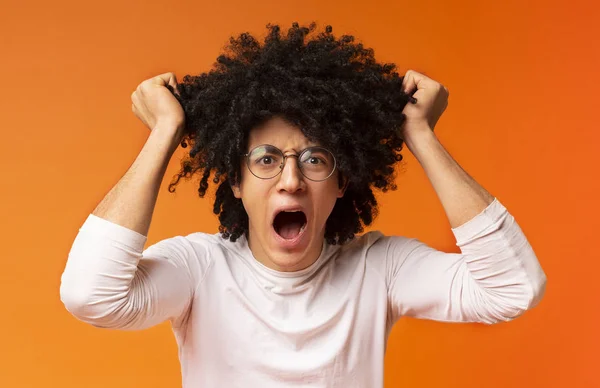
(522, 119)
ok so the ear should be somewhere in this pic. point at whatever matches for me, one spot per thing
(236, 190)
(343, 186)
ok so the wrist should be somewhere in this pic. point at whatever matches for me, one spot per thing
(418, 138)
(163, 141)
(168, 131)
(168, 128)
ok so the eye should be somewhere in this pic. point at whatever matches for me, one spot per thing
(314, 160)
(265, 160)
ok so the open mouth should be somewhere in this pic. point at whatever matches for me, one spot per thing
(289, 224)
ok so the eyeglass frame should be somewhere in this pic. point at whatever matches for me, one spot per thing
(297, 156)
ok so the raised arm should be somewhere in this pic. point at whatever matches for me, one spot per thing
(497, 276)
(107, 280)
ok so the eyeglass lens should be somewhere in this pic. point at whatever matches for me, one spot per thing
(315, 163)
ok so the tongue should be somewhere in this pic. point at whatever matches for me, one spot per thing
(288, 225)
(290, 230)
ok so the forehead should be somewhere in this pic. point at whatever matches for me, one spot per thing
(280, 133)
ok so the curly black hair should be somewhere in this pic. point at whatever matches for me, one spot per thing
(332, 89)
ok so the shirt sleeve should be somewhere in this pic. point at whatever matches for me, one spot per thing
(495, 278)
(109, 281)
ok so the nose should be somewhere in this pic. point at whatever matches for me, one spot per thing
(290, 178)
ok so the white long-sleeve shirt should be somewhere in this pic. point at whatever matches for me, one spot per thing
(240, 324)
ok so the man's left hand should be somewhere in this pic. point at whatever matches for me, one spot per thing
(432, 100)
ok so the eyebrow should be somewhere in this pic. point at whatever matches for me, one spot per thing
(297, 151)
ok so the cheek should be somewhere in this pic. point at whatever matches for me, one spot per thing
(253, 197)
(326, 199)
(253, 207)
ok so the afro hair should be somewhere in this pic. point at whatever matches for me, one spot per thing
(331, 88)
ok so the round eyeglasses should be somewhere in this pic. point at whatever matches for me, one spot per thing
(267, 161)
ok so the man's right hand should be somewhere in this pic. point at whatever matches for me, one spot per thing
(157, 108)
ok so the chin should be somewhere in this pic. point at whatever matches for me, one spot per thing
(289, 240)
(293, 254)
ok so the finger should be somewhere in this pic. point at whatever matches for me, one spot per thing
(409, 87)
(167, 79)
(135, 97)
(173, 81)
(163, 79)
(408, 82)
(135, 111)
(422, 81)
(137, 105)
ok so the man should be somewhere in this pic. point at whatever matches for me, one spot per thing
(288, 293)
